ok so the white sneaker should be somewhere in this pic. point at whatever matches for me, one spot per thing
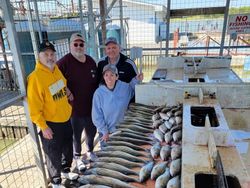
(57, 186)
(69, 176)
(80, 165)
(92, 156)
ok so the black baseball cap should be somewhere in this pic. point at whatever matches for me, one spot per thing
(45, 45)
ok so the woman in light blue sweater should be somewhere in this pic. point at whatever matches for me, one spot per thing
(110, 101)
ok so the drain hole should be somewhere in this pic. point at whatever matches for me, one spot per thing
(198, 116)
(196, 80)
(211, 181)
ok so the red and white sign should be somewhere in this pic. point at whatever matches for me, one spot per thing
(238, 23)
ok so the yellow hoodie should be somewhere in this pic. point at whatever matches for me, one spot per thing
(46, 94)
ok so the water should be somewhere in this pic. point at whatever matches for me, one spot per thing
(247, 63)
(243, 74)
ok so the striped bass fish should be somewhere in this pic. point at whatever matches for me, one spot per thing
(103, 180)
(120, 161)
(120, 154)
(130, 140)
(131, 131)
(124, 149)
(110, 173)
(121, 143)
(132, 135)
(146, 171)
(94, 186)
(114, 166)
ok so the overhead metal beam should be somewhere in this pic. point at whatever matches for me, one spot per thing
(197, 11)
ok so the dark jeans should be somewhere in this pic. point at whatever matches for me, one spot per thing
(78, 124)
(58, 151)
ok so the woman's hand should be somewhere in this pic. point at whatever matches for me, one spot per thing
(105, 137)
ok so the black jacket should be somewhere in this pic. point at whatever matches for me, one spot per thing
(126, 68)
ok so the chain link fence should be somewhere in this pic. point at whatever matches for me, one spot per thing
(149, 24)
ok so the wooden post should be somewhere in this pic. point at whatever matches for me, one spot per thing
(102, 14)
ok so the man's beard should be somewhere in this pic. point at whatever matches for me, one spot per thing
(78, 54)
(50, 64)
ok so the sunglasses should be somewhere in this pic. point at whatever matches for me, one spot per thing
(76, 45)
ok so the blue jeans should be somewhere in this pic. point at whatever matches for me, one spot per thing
(78, 124)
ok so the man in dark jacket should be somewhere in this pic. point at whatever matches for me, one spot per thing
(127, 69)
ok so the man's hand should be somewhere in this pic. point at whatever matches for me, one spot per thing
(47, 133)
(139, 76)
(69, 95)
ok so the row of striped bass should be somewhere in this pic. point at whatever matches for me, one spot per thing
(103, 180)
(110, 173)
(141, 108)
(174, 134)
(120, 154)
(169, 123)
(134, 118)
(143, 125)
(166, 108)
(132, 135)
(145, 171)
(117, 160)
(170, 177)
(136, 128)
(158, 169)
(165, 151)
(123, 152)
(94, 186)
(114, 166)
(126, 149)
(122, 143)
(169, 119)
(161, 172)
(165, 180)
(166, 112)
(127, 130)
(130, 140)
(164, 134)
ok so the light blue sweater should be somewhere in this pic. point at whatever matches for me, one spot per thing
(109, 106)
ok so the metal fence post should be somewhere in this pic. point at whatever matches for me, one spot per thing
(224, 28)
(15, 49)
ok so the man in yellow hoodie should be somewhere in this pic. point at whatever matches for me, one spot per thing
(50, 110)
